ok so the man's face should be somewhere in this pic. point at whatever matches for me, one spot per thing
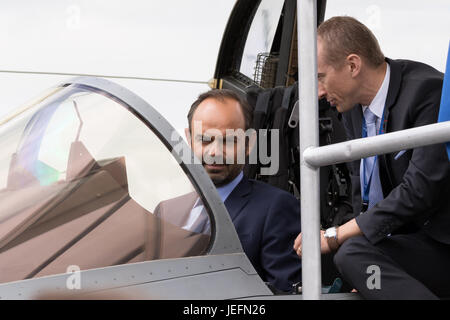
(211, 142)
(335, 85)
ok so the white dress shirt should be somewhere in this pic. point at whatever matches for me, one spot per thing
(377, 104)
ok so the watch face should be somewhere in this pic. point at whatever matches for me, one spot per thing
(330, 233)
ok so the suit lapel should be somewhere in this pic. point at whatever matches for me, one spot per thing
(393, 91)
(238, 198)
(357, 121)
(394, 85)
(356, 117)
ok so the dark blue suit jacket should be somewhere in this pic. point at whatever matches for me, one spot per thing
(267, 220)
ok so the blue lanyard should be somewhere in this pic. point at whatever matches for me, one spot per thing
(366, 184)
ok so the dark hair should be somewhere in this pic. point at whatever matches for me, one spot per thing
(343, 35)
(221, 95)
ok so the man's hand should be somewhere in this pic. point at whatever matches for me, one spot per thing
(324, 248)
(346, 231)
(298, 245)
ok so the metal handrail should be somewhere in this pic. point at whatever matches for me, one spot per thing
(401, 140)
(309, 137)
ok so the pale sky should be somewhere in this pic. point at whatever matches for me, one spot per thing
(172, 39)
(415, 29)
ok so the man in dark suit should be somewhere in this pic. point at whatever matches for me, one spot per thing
(398, 244)
(266, 218)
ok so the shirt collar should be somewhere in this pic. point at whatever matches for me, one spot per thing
(377, 104)
(224, 191)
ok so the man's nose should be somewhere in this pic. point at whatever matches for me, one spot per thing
(321, 91)
(215, 148)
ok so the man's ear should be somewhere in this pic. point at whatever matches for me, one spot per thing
(187, 133)
(354, 63)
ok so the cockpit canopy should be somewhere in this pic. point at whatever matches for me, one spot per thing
(82, 182)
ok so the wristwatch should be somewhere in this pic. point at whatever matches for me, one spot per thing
(331, 236)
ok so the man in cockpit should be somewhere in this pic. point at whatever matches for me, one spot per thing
(266, 218)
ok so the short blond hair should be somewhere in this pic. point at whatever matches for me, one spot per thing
(344, 35)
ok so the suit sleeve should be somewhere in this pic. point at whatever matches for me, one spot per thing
(424, 182)
(281, 227)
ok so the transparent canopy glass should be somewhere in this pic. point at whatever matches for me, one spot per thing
(83, 181)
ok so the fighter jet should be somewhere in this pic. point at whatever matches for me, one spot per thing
(85, 167)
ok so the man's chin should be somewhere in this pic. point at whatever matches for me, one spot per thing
(342, 108)
(218, 180)
(217, 176)
(222, 174)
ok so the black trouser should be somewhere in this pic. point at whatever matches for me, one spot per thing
(412, 266)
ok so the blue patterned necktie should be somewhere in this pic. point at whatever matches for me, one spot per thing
(370, 164)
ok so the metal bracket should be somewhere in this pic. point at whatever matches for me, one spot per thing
(293, 119)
